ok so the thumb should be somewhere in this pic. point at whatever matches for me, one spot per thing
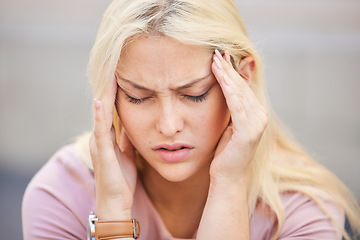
(125, 143)
(225, 138)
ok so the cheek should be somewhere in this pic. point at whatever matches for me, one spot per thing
(130, 119)
(214, 118)
(219, 111)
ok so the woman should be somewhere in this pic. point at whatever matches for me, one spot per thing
(184, 140)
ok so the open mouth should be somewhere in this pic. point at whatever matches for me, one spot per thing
(174, 152)
(174, 149)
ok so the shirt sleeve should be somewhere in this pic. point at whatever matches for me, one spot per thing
(58, 199)
(305, 220)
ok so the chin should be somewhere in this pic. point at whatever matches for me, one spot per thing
(176, 174)
(176, 178)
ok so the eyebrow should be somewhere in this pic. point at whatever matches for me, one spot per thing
(186, 86)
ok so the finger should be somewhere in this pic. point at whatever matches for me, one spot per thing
(127, 148)
(227, 57)
(229, 69)
(108, 100)
(255, 113)
(101, 131)
(225, 138)
(241, 112)
(235, 103)
(231, 92)
(125, 143)
(238, 85)
(113, 135)
(222, 68)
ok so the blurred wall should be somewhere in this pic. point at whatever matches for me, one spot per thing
(311, 51)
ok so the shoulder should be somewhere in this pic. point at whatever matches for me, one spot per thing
(64, 172)
(303, 219)
(58, 199)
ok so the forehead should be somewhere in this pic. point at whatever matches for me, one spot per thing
(155, 61)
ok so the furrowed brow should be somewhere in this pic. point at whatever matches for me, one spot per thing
(189, 85)
(186, 86)
(134, 84)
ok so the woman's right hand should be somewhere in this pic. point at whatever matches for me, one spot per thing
(114, 167)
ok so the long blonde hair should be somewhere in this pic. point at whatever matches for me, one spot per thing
(280, 164)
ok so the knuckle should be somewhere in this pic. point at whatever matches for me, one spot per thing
(265, 118)
(238, 108)
(266, 121)
(93, 148)
(227, 67)
(253, 138)
(97, 133)
(93, 152)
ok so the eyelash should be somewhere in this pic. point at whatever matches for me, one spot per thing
(136, 100)
(199, 98)
(196, 99)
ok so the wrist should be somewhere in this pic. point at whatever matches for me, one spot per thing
(219, 212)
(228, 188)
(222, 181)
(221, 176)
(113, 209)
(113, 214)
(113, 229)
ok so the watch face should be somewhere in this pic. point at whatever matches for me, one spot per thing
(91, 226)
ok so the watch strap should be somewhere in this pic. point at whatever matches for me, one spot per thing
(105, 230)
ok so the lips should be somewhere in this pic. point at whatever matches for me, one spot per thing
(175, 149)
(174, 152)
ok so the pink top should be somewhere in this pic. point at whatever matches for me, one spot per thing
(61, 195)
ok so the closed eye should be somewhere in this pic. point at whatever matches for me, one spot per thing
(199, 98)
(136, 100)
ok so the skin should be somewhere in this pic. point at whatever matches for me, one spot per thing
(168, 114)
(223, 131)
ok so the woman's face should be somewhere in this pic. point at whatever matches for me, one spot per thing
(171, 105)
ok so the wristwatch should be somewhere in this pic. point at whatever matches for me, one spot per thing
(98, 230)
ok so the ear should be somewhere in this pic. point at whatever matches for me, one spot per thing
(246, 69)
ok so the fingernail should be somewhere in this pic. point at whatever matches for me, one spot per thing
(96, 104)
(218, 54)
(227, 57)
(217, 62)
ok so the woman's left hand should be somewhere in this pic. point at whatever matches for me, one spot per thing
(229, 170)
(240, 140)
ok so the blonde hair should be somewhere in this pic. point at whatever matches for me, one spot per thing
(280, 164)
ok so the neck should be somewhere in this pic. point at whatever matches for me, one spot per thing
(180, 204)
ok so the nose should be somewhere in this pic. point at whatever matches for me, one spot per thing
(169, 120)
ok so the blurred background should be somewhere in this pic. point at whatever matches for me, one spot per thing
(311, 51)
